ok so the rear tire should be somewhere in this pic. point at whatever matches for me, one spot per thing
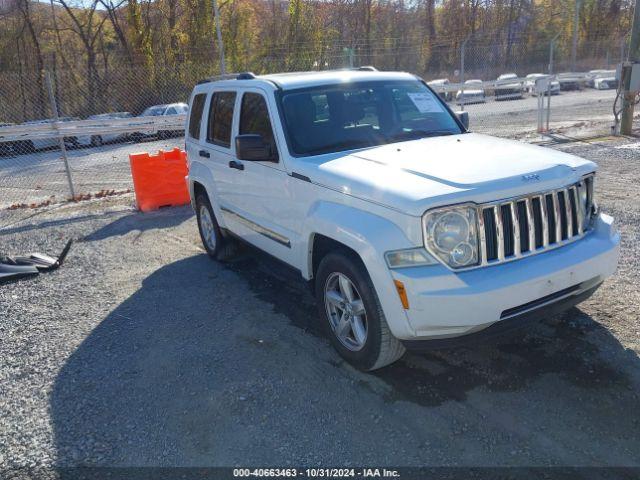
(358, 329)
(208, 226)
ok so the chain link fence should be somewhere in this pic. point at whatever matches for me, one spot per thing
(64, 135)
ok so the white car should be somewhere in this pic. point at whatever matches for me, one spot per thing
(508, 87)
(473, 92)
(530, 83)
(605, 83)
(600, 73)
(35, 144)
(107, 137)
(439, 85)
(412, 231)
(159, 111)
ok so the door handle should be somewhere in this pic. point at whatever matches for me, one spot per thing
(204, 153)
(236, 165)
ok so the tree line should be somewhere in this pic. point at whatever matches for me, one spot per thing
(107, 55)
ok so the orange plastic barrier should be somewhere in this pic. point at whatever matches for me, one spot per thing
(159, 180)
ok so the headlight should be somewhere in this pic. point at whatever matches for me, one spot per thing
(414, 257)
(451, 234)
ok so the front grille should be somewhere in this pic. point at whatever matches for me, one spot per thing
(534, 223)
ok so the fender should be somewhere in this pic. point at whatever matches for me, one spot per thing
(200, 173)
(370, 236)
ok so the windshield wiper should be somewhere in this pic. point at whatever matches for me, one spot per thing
(422, 134)
(344, 144)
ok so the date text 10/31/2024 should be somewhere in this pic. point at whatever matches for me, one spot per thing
(316, 472)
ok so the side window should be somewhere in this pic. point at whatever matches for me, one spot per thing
(221, 118)
(196, 115)
(172, 111)
(254, 118)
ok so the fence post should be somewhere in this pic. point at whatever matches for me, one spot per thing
(552, 46)
(56, 119)
(462, 52)
(462, 49)
(548, 103)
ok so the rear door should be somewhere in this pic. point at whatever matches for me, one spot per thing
(217, 151)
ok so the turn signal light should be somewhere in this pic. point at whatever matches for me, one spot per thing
(402, 293)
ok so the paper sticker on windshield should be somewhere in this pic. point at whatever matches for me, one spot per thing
(425, 102)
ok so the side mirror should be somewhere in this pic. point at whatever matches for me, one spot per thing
(251, 146)
(464, 119)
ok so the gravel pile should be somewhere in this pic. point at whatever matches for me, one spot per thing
(142, 351)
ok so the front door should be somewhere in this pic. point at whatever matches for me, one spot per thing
(259, 196)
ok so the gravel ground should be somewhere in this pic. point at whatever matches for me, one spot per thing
(142, 351)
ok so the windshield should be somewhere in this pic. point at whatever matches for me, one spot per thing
(335, 118)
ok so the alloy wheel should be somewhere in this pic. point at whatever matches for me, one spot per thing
(207, 228)
(345, 311)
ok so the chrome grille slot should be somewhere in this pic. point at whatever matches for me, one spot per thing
(552, 217)
(564, 224)
(574, 211)
(539, 222)
(534, 223)
(523, 225)
(491, 247)
(507, 224)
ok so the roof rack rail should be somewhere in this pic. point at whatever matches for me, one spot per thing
(228, 76)
(366, 68)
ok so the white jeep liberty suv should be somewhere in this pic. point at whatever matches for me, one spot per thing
(413, 231)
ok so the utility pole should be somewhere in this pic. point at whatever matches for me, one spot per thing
(574, 45)
(216, 13)
(634, 46)
(628, 96)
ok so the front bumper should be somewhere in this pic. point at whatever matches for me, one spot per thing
(444, 304)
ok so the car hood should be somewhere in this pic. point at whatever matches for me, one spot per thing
(415, 175)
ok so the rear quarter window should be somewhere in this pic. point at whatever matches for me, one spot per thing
(221, 118)
(197, 106)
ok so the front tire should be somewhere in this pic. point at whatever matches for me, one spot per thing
(351, 313)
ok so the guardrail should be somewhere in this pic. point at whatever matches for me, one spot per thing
(82, 128)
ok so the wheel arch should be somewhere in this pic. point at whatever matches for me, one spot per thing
(365, 235)
(200, 180)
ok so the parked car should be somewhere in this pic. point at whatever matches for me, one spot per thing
(473, 92)
(606, 82)
(159, 111)
(570, 81)
(7, 148)
(439, 85)
(412, 231)
(508, 87)
(530, 84)
(600, 73)
(107, 137)
(35, 144)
